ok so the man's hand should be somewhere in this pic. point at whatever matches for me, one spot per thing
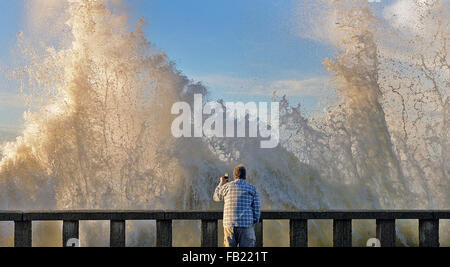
(224, 180)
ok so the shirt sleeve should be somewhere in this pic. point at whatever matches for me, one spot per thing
(220, 192)
(256, 207)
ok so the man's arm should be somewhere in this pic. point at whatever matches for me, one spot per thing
(219, 193)
(256, 207)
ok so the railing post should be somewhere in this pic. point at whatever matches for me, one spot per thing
(386, 232)
(298, 233)
(259, 232)
(22, 234)
(429, 233)
(210, 233)
(342, 233)
(164, 233)
(70, 231)
(117, 234)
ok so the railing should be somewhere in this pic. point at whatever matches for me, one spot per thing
(342, 226)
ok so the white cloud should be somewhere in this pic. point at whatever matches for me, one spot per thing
(315, 86)
(8, 133)
(10, 100)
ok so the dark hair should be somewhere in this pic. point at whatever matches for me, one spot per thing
(240, 172)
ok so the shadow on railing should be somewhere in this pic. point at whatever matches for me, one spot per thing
(342, 226)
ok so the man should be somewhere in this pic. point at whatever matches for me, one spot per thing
(241, 210)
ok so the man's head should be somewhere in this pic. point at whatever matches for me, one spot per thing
(240, 172)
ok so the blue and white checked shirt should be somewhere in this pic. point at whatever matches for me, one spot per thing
(242, 206)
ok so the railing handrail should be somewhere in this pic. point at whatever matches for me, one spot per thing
(298, 221)
(107, 215)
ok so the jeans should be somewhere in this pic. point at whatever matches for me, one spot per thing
(239, 236)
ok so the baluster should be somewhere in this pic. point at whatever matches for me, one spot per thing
(429, 233)
(342, 233)
(210, 233)
(386, 232)
(22, 234)
(259, 232)
(117, 234)
(299, 233)
(71, 232)
(164, 233)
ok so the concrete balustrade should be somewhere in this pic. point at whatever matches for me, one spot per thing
(342, 224)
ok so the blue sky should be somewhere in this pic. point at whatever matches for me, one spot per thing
(240, 37)
(240, 49)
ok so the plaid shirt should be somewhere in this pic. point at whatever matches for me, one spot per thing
(242, 206)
